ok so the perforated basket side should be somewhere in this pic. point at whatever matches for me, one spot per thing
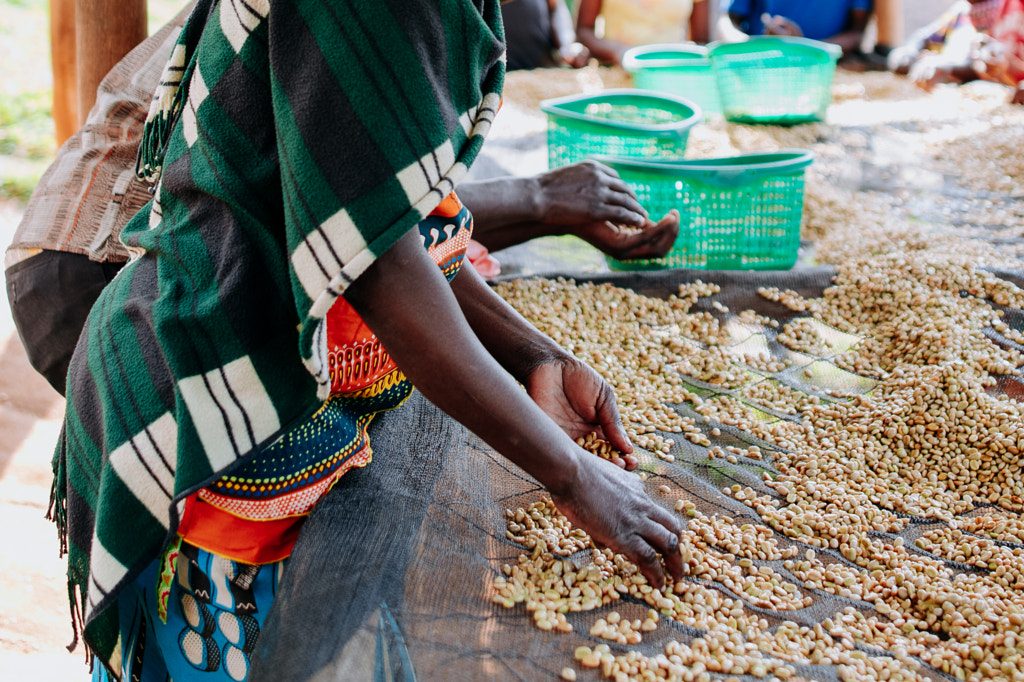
(678, 69)
(775, 80)
(755, 226)
(627, 123)
(755, 93)
(698, 84)
(571, 141)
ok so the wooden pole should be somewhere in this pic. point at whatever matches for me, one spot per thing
(105, 31)
(889, 15)
(65, 77)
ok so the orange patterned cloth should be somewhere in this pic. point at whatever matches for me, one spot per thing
(253, 514)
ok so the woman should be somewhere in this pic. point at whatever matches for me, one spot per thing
(628, 23)
(306, 152)
(973, 39)
(944, 49)
(842, 22)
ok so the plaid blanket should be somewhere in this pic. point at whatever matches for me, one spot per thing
(294, 142)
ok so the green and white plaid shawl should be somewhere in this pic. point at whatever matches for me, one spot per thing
(295, 141)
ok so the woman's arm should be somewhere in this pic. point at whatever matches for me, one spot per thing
(565, 196)
(851, 39)
(407, 302)
(571, 52)
(606, 51)
(568, 390)
(700, 28)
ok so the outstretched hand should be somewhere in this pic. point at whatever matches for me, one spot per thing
(579, 401)
(653, 240)
(586, 199)
(613, 508)
(588, 192)
(597, 206)
(604, 500)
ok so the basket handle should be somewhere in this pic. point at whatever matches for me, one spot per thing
(726, 172)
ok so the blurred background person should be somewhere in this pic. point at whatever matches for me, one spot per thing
(1008, 32)
(610, 27)
(941, 50)
(972, 40)
(842, 22)
(539, 33)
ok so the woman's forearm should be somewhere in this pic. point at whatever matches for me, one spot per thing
(501, 202)
(567, 200)
(700, 27)
(515, 343)
(850, 41)
(606, 51)
(409, 305)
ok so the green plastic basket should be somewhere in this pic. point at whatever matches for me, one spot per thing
(626, 123)
(735, 213)
(678, 69)
(773, 79)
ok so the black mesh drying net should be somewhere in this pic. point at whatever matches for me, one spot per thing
(392, 577)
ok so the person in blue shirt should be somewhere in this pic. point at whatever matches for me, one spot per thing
(842, 22)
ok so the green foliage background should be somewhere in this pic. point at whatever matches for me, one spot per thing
(27, 138)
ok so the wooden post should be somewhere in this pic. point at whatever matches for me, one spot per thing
(105, 31)
(65, 76)
(889, 15)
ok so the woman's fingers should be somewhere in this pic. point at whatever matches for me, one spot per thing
(615, 510)
(653, 241)
(666, 231)
(654, 547)
(665, 543)
(611, 422)
(648, 561)
(620, 209)
(618, 201)
(666, 540)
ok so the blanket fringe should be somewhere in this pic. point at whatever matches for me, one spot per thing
(77, 624)
(171, 95)
(57, 509)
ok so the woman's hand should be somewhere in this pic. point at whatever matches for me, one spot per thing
(780, 26)
(579, 401)
(930, 70)
(586, 199)
(653, 240)
(593, 203)
(613, 508)
(584, 193)
(575, 55)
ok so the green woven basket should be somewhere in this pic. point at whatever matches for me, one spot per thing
(626, 123)
(773, 79)
(680, 69)
(735, 213)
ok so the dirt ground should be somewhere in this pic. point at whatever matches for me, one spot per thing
(34, 618)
